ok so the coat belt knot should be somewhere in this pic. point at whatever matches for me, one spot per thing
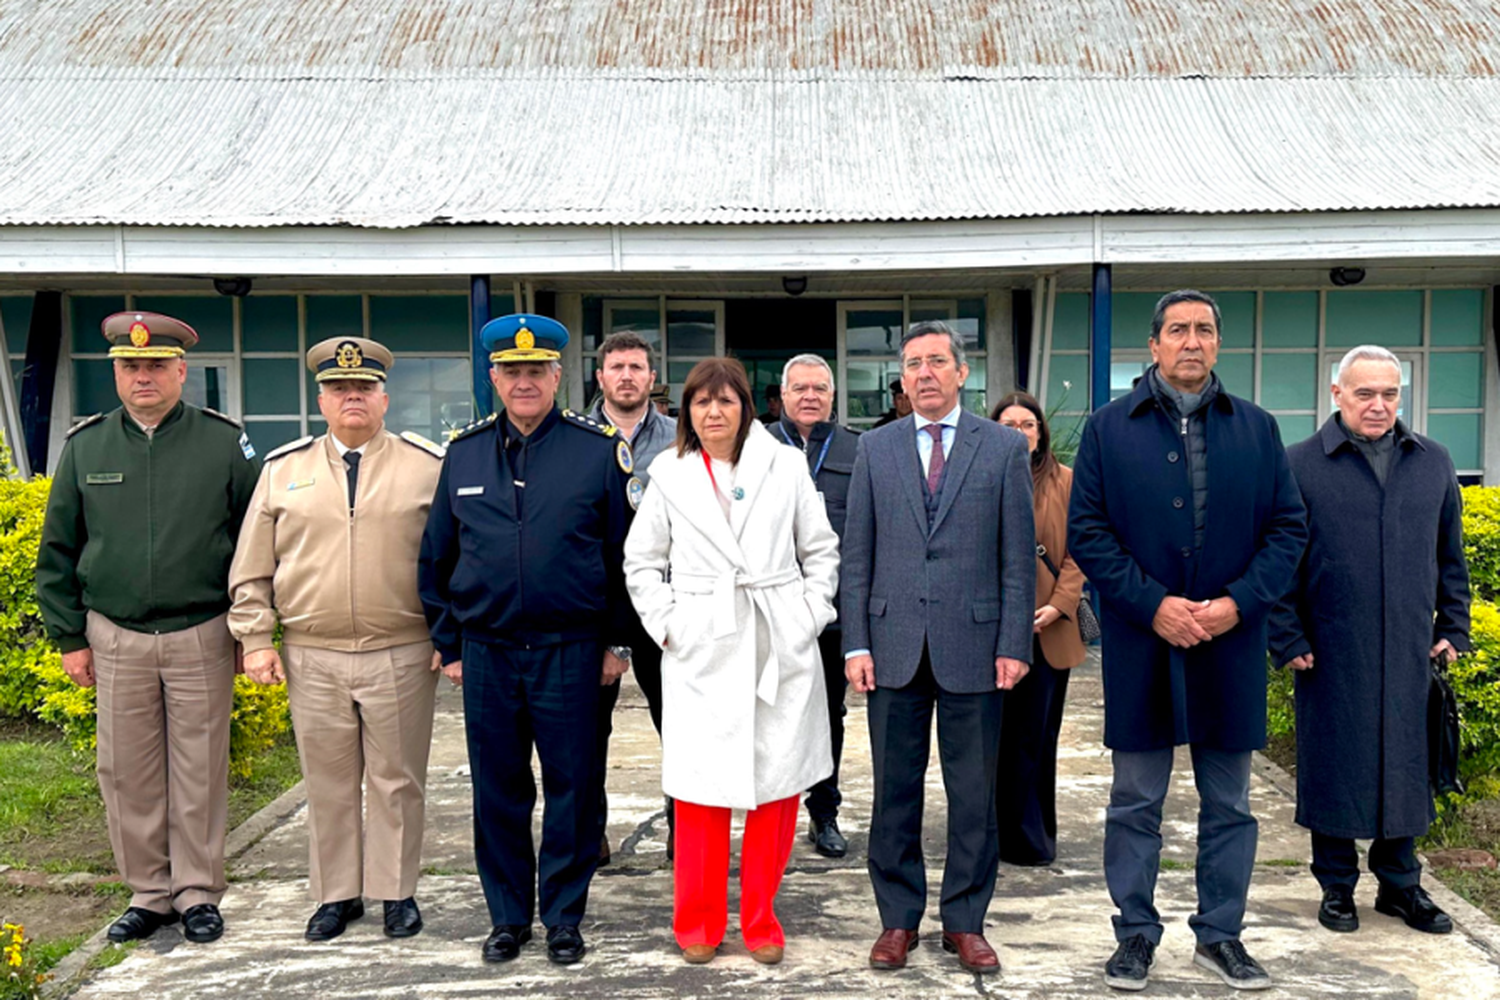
(722, 588)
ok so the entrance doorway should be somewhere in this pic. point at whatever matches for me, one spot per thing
(766, 333)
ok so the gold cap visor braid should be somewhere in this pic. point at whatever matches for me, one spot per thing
(128, 351)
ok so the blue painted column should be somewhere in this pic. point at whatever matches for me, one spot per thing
(479, 315)
(1101, 311)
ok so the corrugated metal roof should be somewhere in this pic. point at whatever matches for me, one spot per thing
(392, 114)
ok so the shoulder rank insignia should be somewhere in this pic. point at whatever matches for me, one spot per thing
(432, 448)
(224, 417)
(624, 457)
(289, 447)
(634, 490)
(85, 422)
(589, 423)
(476, 426)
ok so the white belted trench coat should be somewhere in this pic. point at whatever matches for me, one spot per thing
(737, 605)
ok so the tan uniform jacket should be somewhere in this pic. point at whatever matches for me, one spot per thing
(337, 581)
(1061, 643)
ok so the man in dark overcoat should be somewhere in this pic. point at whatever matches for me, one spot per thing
(1185, 517)
(1382, 588)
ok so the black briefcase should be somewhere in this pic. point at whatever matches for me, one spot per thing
(1442, 731)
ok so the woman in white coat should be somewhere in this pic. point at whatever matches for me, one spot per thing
(733, 566)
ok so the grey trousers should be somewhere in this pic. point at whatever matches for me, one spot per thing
(1226, 841)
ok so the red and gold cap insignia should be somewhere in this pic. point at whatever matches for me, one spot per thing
(140, 334)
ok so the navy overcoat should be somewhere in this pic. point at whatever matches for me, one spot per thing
(1383, 579)
(1130, 529)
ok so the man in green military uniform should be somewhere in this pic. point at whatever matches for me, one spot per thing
(132, 579)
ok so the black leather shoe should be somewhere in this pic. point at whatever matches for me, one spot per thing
(1128, 967)
(137, 924)
(1337, 912)
(564, 944)
(826, 839)
(330, 919)
(1415, 907)
(202, 923)
(504, 942)
(402, 918)
(1230, 962)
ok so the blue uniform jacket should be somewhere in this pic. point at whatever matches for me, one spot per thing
(552, 574)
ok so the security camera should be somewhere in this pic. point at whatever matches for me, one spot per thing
(794, 286)
(237, 287)
(1344, 276)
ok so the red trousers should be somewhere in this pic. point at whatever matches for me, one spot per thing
(701, 872)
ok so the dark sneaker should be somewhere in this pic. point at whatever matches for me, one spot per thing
(1337, 912)
(1415, 907)
(1229, 961)
(826, 839)
(1127, 967)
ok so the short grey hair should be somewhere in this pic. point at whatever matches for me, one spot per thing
(927, 328)
(1167, 301)
(805, 359)
(1367, 352)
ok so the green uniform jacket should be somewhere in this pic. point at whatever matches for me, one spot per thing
(142, 529)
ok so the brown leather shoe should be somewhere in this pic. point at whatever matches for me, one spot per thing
(974, 952)
(699, 954)
(891, 948)
(768, 954)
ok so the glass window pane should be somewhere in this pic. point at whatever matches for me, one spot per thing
(1290, 319)
(691, 331)
(1375, 317)
(420, 322)
(1296, 426)
(1068, 382)
(1460, 433)
(873, 331)
(973, 395)
(1455, 380)
(1458, 317)
(431, 396)
(268, 323)
(269, 385)
(868, 387)
(970, 323)
(207, 385)
(1237, 373)
(211, 317)
(268, 434)
(15, 313)
(1122, 376)
(1238, 312)
(1130, 318)
(1070, 322)
(1289, 381)
(677, 371)
(93, 387)
(88, 313)
(644, 320)
(334, 316)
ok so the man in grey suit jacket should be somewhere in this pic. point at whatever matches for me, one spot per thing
(939, 579)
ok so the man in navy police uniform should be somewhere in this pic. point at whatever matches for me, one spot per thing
(522, 582)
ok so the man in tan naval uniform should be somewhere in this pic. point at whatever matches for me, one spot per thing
(329, 547)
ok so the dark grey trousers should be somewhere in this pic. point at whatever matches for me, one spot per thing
(1226, 841)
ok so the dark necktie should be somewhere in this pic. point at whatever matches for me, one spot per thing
(935, 465)
(351, 459)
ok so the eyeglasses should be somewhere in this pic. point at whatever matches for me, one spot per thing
(936, 362)
(1022, 425)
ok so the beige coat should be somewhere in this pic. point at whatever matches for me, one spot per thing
(745, 712)
(1061, 643)
(337, 581)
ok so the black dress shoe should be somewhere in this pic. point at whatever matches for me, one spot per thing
(402, 918)
(1337, 911)
(564, 944)
(202, 923)
(1130, 966)
(1415, 907)
(1231, 963)
(137, 923)
(826, 838)
(330, 919)
(504, 942)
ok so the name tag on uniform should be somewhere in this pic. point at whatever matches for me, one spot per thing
(470, 491)
(302, 484)
(104, 478)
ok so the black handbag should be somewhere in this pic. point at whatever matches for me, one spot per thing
(1088, 622)
(1442, 731)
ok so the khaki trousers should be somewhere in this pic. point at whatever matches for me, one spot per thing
(164, 703)
(363, 717)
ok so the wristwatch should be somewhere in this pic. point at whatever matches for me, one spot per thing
(620, 652)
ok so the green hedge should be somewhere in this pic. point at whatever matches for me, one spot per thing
(32, 681)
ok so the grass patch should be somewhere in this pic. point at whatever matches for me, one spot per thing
(51, 816)
(1282, 863)
(1480, 887)
(1172, 865)
(111, 956)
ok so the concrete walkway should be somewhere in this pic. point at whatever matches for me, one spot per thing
(1050, 925)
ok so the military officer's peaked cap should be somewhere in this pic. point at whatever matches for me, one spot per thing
(147, 335)
(523, 337)
(349, 358)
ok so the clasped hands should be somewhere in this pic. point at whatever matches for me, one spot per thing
(1186, 623)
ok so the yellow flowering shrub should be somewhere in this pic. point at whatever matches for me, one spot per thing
(20, 978)
(1482, 540)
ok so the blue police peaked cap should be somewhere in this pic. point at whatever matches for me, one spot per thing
(523, 337)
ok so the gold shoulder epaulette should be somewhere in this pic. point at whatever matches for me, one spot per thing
(474, 428)
(224, 417)
(416, 440)
(289, 447)
(579, 420)
(85, 422)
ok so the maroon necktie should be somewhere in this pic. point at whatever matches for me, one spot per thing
(935, 465)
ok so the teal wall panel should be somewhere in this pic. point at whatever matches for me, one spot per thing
(211, 317)
(1458, 317)
(1290, 319)
(1289, 381)
(1387, 318)
(268, 323)
(1460, 433)
(1455, 379)
(420, 322)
